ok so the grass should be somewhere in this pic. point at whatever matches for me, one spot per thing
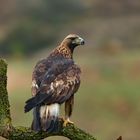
(107, 104)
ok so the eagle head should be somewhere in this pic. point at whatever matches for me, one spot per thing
(72, 41)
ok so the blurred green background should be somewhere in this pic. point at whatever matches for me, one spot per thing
(107, 104)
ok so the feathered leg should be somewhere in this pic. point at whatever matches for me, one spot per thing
(68, 110)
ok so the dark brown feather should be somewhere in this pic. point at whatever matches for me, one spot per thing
(60, 85)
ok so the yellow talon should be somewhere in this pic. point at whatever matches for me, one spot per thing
(66, 122)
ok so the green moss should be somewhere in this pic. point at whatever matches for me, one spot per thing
(71, 132)
(4, 103)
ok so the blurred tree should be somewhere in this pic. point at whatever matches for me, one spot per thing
(37, 25)
(29, 25)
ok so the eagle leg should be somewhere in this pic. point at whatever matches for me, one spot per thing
(68, 110)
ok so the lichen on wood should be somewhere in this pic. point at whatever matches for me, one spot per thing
(22, 133)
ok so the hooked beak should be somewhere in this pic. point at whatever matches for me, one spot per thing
(79, 41)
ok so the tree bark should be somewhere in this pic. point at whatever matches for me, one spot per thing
(8, 131)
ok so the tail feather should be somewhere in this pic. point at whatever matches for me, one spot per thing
(48, 119)
(36, 124)
(34, 101)
(52, 124)
(56, 125)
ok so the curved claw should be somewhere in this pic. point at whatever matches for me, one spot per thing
(66, 122)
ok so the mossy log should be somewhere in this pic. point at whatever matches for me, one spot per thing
(8, 131)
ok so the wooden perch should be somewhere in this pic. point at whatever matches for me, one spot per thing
(8, 131)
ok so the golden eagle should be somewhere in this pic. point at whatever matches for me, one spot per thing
(55, 79)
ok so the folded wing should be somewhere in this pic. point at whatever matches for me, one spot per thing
(59, 83)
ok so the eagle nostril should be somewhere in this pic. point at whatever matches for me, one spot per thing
(82, 42)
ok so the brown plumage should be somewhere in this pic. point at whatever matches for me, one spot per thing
(55, 79)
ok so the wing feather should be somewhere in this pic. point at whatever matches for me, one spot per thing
(63, 86)
(59, 83)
